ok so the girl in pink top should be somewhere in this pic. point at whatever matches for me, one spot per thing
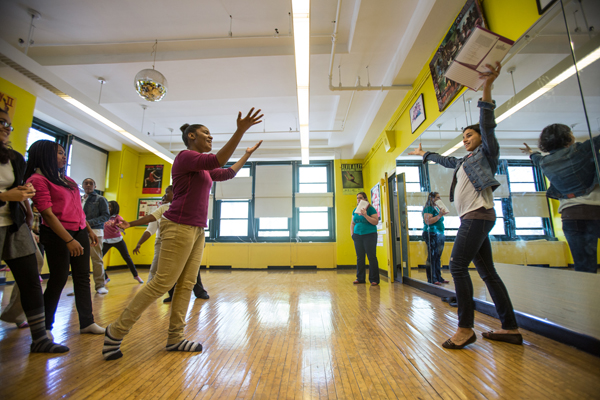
(182, 233)
(113, 238)
(64, 232)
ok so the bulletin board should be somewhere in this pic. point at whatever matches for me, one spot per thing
(148, 205)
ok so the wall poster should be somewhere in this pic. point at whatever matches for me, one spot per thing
(376, 200)
(8, 104)
(470, 16)
(152, 179)
(352, 179)
(148, 205)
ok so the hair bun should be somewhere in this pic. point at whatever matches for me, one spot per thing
(184, 127)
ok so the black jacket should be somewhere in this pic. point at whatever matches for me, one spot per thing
(17, 210)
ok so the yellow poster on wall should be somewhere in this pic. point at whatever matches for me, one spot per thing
(352, 178)
(8, 104)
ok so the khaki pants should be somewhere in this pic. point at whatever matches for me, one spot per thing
(13, 312)
(97, 263)
(180, 257)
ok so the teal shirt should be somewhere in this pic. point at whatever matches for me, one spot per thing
(361, 225)
(438, 227)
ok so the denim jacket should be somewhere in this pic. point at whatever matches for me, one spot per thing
(96, 211)
(571, 170)
(481, 165)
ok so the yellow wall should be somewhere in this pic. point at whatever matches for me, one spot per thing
(23, 114)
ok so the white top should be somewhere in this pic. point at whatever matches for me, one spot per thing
(154, 227)
(466, 198)
(98, 232)
(7, 178)
(592, 199)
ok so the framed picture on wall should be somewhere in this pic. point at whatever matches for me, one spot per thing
(543, 5)
(469, 17)
(417, 114)
(152, 179)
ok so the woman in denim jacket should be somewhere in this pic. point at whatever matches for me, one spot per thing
(472, 186)
(570, 167)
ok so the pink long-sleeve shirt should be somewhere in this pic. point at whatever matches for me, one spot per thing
(65, 203)
(193, 174)
(110, 229)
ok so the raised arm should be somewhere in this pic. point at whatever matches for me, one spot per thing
(238, 165)
(243, 124)
(142, 221)
(487, 121)
(448, 162)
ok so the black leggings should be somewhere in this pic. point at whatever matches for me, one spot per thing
(122, 247)
(59, 260)
(27, 278)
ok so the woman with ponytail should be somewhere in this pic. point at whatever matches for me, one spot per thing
(65, 233)
(182, 232)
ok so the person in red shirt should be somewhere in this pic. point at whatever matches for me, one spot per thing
(182, 232)
(65, 233)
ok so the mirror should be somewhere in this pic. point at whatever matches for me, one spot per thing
(538, 86)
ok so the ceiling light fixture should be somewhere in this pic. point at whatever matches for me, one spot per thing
(149, 83)
(115, 127)
(301, 18)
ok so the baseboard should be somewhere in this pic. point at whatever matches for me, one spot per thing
(383, 272)
(542, 327)
(339, 266)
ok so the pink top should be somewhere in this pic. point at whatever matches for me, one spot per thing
(110, 230)
(193, 174)
(65, 203)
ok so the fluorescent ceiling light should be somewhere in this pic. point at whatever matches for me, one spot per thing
(453, 149)
(115, 127)
(587, 60)
(301, 19)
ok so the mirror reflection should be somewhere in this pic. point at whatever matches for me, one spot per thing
(545, 237)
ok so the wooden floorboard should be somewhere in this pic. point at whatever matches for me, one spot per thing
(292, 335)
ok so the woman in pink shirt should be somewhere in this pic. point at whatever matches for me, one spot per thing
(64, 232)
(182, 233)
(114, 238)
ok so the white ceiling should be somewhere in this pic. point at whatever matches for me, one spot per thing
(213, 75)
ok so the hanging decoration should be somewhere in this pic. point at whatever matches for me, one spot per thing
(149, 83)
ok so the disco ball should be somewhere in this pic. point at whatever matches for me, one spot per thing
(151, 84)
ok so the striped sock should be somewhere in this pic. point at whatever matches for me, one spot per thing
(185, 345)
(40, 343)
(112, 347)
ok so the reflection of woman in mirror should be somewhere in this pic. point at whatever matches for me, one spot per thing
(471, 192)
(363, 229)
(433, 235)
(570, 168)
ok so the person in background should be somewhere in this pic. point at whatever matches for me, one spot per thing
(96, 212)
(65, 234)
(182, 232)
(433, 235)
(113, 238)
(153, 222)
(471, 191)
(17, 247)
(363, 229)
(570, 167)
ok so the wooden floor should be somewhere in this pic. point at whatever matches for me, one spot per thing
(302, 335)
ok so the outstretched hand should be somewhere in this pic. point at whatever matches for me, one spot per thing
(252, 149)
(492, 74)
(417, 152)
(249, 120)
(526, 150)
(123, 225)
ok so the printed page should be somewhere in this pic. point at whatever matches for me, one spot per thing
(464, 75)
(477, 46)
(495, 55)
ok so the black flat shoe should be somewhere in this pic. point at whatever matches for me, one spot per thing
(448, 344)
(512, 338)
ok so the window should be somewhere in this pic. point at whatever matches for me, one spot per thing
(413, 174)
(525, 178)
(35, 135)
(234, 218)
(413, 177)
(317, 221)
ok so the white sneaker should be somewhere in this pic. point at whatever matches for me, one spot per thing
(102, 290)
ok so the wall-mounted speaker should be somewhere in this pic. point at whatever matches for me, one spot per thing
(389, 141)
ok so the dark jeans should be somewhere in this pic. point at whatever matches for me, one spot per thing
(27, 278)
(122, 247)
(473, 244)
(435, 248)
(366, 244)
(583, 236)
(59, 259)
